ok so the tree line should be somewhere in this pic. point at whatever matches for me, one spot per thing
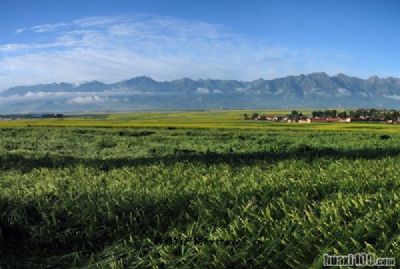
(381, 114)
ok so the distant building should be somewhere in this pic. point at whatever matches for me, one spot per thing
(344, 119)
(304, 120)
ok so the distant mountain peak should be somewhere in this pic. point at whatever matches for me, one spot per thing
(92, 82)
(319, 74)
(185, 79)
(317, 89)
(141, 79)
(373, 78)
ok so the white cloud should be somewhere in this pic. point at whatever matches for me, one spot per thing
(94, 99)
(202, 91)
(38, 94)
(43, 28)
(97, 21)
(394, 97)
(19, 48)
(117, 47)
(47, 27)
(78, 98)
(343, 92)
(20, 30)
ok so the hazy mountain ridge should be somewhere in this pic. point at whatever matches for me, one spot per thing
(142, 93)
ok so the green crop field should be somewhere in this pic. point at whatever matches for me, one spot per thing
(195, 190)
(232, 119)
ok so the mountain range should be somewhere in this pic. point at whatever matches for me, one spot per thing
(315, 90)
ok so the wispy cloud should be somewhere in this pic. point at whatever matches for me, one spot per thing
(87, 100)
(44, 28)
(75, 98)
(20, 30)
(47, 27)
(118, 47)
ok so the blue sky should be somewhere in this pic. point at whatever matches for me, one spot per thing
(68, 40)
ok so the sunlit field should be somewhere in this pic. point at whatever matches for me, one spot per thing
(201, 119)
(195, 190)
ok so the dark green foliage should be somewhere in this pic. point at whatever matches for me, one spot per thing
(115, 198)
(376, 114)
(326, 113)
(135, 134)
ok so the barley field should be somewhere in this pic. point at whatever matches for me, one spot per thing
(195, 190)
